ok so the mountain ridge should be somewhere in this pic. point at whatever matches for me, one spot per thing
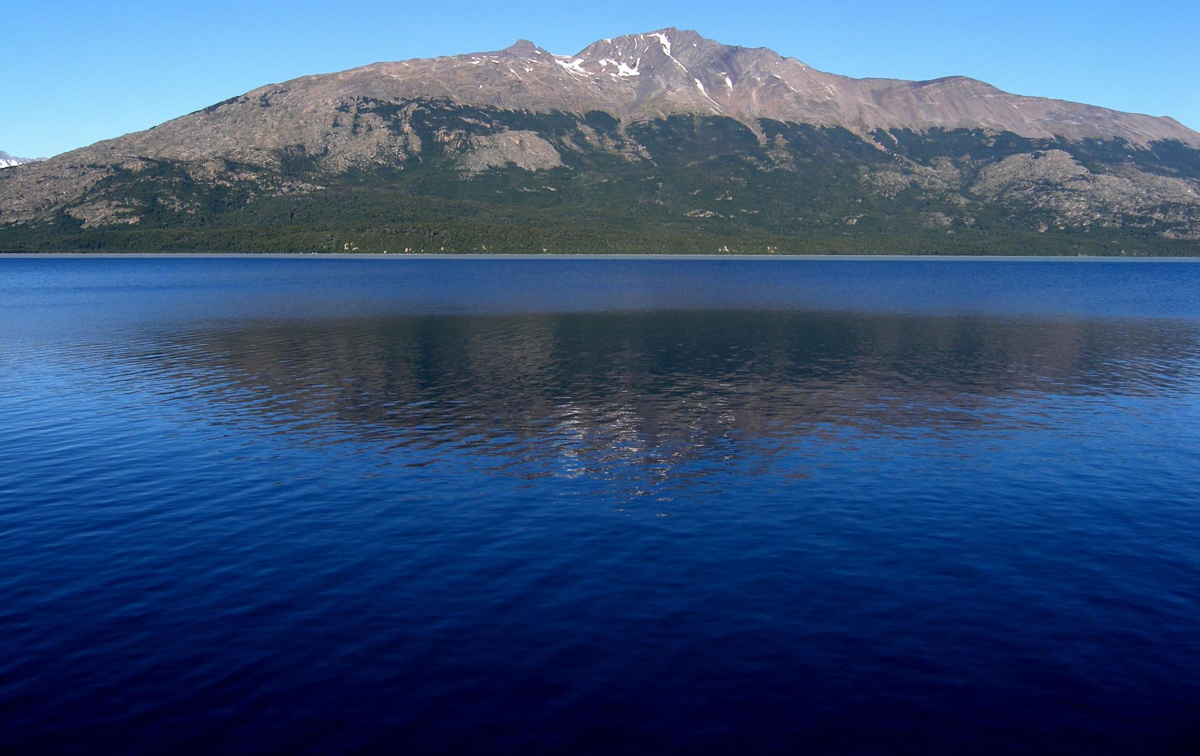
(872, 92)
(8, 161)
(437, 77)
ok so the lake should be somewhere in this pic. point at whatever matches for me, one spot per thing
(304, 505)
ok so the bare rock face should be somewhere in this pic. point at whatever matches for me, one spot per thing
(364, 139)
(1053, 180)
(523, 149)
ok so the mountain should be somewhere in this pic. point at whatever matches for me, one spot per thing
(8, 161)
(664, 141)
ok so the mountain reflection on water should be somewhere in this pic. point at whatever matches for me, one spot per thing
(656, 389)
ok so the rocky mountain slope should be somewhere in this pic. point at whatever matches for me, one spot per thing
(659, 141)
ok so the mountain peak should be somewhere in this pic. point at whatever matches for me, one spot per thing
(521, 47)
(673, 34)
(675, 71)
(668, 40)
(8, 161)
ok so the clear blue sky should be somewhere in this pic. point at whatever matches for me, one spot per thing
(77, 72)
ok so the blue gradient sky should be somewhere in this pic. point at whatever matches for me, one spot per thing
(77, 72)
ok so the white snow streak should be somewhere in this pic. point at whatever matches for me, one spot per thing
(622, 68)
(664, 41)
(575, 67)
(666, 47)
(701, 88)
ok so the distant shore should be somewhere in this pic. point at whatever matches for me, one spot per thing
(552, 256)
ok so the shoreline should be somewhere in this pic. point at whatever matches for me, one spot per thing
(592, 257)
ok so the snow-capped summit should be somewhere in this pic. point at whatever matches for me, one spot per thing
(7, 161)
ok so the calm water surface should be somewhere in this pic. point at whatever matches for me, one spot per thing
(430, 506)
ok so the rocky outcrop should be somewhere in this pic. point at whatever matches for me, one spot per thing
(523, 149)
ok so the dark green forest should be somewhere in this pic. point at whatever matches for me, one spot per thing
(685, 184)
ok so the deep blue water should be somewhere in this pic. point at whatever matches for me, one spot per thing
(312, 505)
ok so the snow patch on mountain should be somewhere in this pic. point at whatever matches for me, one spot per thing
(8, 161)
(700, 86)
(574, 67)
(666, 48)
(623, 69)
